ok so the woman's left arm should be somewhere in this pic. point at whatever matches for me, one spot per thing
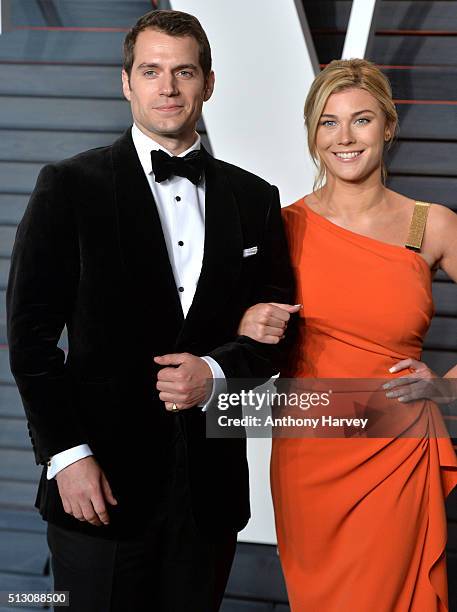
(448, 262)
(441, 241)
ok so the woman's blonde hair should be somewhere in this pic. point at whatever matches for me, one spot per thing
(338, 76)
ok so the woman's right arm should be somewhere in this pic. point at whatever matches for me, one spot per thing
(267, 322)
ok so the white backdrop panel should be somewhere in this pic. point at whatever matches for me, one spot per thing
(359, 35)
(264, 63)
(263, 72)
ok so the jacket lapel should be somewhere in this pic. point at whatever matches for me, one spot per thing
(223, 247)
(148, 271)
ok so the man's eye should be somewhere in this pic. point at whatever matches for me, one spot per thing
(150, 73)
(185, 73)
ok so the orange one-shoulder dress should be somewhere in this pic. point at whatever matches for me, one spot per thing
(361, 522)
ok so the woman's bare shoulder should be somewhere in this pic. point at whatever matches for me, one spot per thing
(438, 215)
(401, 202)
(442, 219)
(441, 231)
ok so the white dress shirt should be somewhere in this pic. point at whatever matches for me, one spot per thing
(181, 208)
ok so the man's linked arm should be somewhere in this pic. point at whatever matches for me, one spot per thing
(247, 358)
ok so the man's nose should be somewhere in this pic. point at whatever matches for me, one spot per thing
(168, 85)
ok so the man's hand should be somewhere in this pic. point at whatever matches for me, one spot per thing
(185, 383)
(85, 491)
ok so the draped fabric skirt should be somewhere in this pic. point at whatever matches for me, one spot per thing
(361, 523)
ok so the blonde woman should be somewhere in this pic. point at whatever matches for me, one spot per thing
(361, 523)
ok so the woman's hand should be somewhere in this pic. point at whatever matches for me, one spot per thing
(422, 383)
(266, 322)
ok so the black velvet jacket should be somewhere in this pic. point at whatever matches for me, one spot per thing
(90, 254)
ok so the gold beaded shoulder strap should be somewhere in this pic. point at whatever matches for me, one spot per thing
(417, 227)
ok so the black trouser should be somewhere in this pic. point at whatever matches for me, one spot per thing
(172, 567)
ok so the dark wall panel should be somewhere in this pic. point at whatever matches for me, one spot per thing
(426, 158)
(18, 178)
(437, 83)
(394, 50)
(433, 122)
(12, 208)
(82, 13)
(445, 298)
(64, 114)
(442, 334)
(10, 402)
(439, 190)
(18, 465)
(393, 14)
(100, 48)
(53, 80)
(46, 146)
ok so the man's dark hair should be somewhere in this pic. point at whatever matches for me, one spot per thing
(173, 23)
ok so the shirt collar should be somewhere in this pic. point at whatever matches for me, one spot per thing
(144, 145)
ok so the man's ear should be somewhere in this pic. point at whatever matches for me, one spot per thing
(209, 86)
(126, 84)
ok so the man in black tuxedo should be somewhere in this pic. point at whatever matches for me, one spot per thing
(149, 251)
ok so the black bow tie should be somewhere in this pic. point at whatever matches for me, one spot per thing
(190, 166)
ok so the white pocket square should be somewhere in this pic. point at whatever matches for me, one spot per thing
(251, 251)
